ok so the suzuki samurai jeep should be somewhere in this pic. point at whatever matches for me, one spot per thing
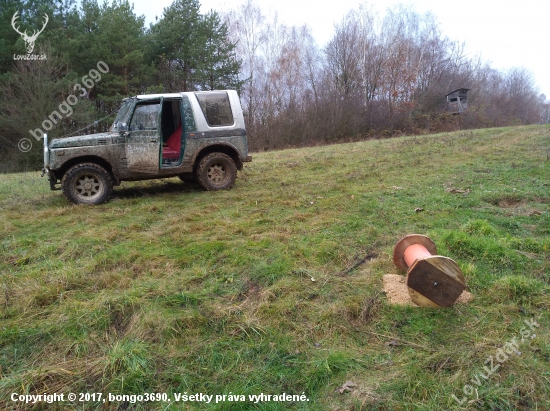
(197, 136)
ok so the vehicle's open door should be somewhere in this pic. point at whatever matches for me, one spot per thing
(143, 141)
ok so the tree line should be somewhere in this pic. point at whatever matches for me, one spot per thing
(379, 75)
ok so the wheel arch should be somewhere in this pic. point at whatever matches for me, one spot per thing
(218, 148)
(60, 172)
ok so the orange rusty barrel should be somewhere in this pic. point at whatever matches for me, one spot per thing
(432, 280)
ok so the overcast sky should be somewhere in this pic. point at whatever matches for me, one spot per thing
(506, 33)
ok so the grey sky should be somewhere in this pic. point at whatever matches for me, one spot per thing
(506, 33)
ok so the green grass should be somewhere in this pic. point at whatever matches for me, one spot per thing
(168, 288)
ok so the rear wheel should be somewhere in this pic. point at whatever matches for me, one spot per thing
(217, 171)
(87, 183)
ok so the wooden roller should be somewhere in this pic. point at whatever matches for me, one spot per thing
(432, 280)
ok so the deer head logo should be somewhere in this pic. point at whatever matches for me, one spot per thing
(29, 40)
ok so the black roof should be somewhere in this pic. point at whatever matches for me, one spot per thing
(463, 90)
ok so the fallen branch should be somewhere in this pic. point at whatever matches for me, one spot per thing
(357, 264)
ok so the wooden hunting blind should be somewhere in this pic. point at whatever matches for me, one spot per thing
(457, 100)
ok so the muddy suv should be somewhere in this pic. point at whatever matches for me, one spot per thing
(197, 136)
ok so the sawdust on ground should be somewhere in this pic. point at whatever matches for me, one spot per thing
(397, 292)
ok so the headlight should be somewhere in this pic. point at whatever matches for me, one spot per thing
(46, 153)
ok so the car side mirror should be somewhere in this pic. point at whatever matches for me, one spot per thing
(122, 127)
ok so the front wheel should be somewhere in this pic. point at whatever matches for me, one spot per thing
(87, 183)
(216, 171)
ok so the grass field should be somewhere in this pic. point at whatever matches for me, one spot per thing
(168, 288)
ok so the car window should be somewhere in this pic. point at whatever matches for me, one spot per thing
(216, 108)
(189, 119)
(122, 115)
(145, 117)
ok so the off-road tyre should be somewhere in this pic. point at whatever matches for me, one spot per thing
(87, 183)
(216, 171)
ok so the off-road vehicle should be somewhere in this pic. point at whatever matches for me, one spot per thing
(197, 136)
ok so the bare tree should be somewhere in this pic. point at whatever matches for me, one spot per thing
(343, 58)
(31, 95)
(247, 30)
(378, 74)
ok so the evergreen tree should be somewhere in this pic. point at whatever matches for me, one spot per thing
(219, 67)
(30, 18)
(193, 51)
(175, 39)
(115, 35)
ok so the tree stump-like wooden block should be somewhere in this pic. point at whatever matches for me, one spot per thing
(435, 281)
(432, 280)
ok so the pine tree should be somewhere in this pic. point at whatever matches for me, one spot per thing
(219, 68)
(193, 51)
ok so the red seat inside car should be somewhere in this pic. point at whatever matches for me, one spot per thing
(173, 146)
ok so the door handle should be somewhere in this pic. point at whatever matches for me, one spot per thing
(154, 139)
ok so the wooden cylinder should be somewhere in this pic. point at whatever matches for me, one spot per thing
(432, 280)
(415, 252)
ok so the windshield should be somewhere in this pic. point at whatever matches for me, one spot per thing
(122, 116)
